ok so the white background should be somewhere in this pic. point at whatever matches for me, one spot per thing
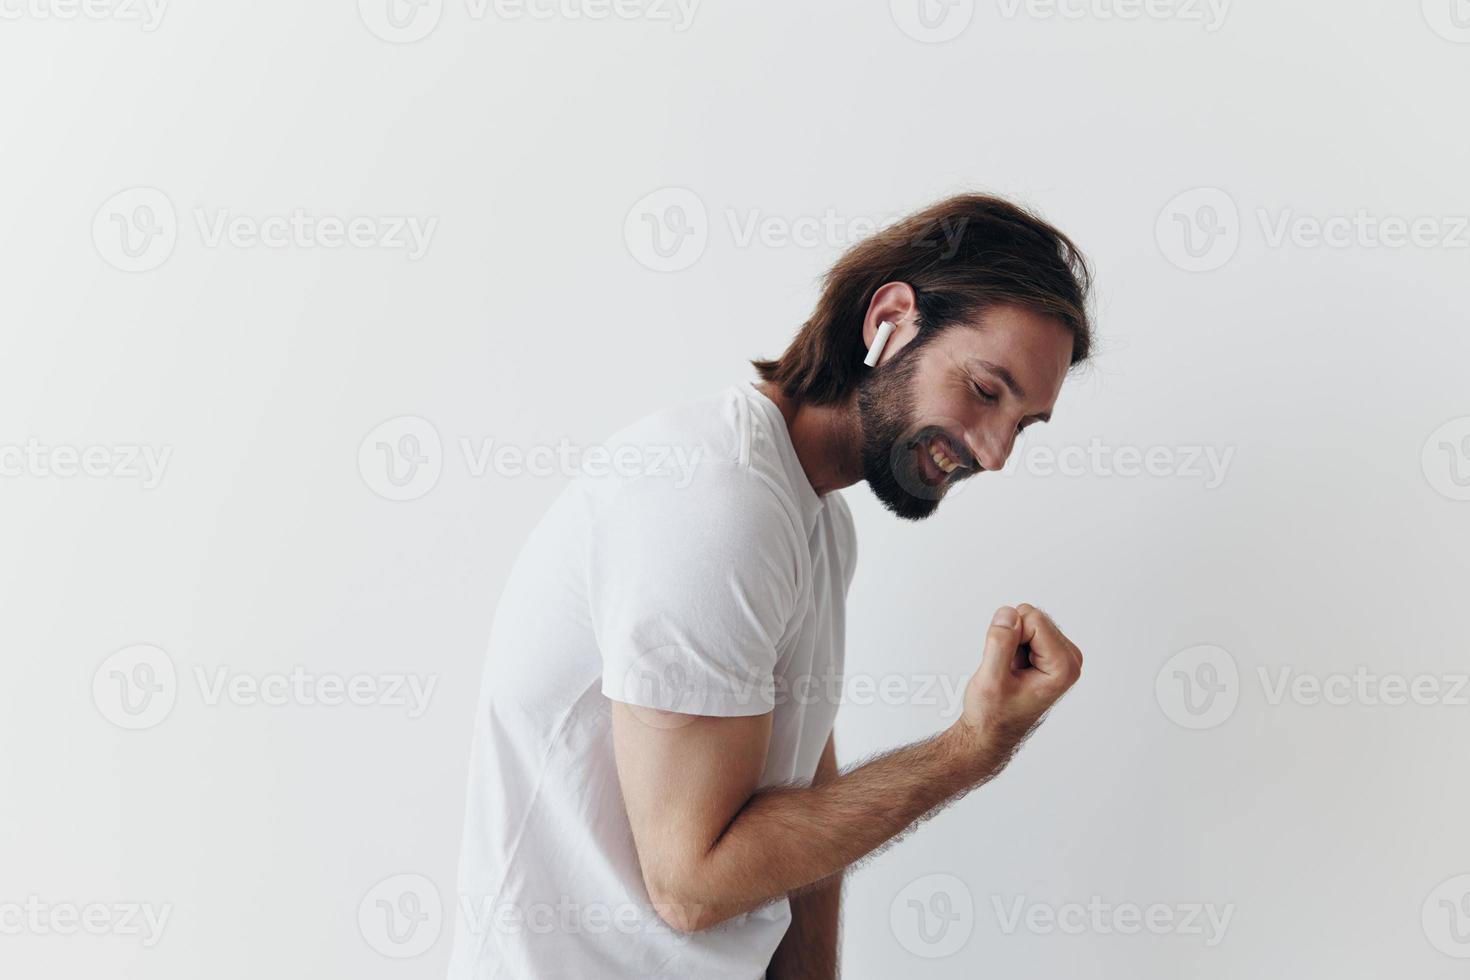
(1333, 833)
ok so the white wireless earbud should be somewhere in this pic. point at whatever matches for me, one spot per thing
(879, 339)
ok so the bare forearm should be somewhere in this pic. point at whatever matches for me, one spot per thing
(785, 839)
(782, 840)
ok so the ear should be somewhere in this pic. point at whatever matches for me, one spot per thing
(896, 303)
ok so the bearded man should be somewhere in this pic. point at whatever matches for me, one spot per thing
(647, 798)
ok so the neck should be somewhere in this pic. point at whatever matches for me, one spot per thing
(827, 438)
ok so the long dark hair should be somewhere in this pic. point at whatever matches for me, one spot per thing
(961, 256)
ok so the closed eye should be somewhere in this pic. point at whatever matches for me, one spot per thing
(985, 396)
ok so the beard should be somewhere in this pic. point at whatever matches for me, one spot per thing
(893, 438)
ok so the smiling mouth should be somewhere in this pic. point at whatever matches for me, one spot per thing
(939, 459)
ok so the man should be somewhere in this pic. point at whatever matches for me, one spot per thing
(647, 797)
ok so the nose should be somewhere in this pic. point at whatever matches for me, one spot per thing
(990, 447)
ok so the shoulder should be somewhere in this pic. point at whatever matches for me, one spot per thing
(719, 547)
(714, 506)
(713, 427)
(698, 462)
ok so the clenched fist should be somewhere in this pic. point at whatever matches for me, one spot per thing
(1027, 665)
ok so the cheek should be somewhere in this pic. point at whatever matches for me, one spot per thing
(957, 413)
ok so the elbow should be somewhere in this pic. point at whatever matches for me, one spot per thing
(680, 916)
(681, 907)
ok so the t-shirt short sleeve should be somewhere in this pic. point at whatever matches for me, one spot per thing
(691, 589)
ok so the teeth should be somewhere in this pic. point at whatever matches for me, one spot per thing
(941, 459)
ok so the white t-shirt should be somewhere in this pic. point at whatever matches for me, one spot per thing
(703, 575)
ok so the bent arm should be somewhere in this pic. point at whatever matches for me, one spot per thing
(713, 848)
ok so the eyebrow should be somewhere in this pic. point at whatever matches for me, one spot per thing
(1009, 380)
